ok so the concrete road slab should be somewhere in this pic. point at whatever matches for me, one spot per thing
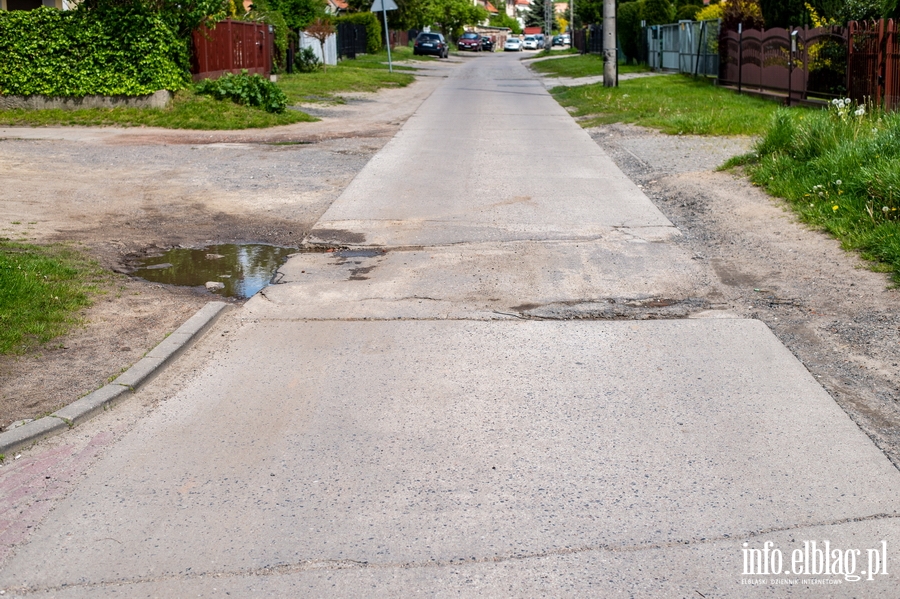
(413, 444)
(478, 280)
(710, 568)
(476, 168)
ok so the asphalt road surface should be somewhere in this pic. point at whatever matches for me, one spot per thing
(492, 393)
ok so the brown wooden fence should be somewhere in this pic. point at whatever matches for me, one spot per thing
(800, 65)
(873, 63)
(230, 47)
(399, 38)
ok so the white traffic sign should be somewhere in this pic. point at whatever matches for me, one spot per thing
(382, 5)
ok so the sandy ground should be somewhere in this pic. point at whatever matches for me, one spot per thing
(122, 193)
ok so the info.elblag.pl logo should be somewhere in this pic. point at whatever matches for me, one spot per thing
(814, 558)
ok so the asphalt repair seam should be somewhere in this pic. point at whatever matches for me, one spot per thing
(105, 397)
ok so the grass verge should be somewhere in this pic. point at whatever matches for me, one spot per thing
(840, 171)
(367, 73)
(674, 104)
(42, 290)
(187, 111)
(583, 65)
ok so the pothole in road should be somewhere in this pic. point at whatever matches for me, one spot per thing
(236, 270)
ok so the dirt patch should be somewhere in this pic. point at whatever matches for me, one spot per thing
(837, 316)
(124, 193)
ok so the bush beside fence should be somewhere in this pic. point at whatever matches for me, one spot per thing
(76, 53)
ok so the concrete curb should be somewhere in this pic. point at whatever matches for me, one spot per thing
(107, 396)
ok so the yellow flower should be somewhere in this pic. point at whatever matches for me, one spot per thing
(835, 207)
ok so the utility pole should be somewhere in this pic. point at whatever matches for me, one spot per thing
(610, 57)
(548, 23)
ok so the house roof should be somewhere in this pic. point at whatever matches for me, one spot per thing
(341, 4)
(522, 3)
(490, 7)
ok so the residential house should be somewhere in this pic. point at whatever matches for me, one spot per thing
(336, 7)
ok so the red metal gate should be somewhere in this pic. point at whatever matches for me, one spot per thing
(230, 47)
(873, 60)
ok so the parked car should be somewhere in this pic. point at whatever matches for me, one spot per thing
(470, 41)
(558, 40)
(539, 38)
(513, 44)
(566, 39)
(530, 43)
(431, 43)
(487, 44)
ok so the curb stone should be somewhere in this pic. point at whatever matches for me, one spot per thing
(105, 397)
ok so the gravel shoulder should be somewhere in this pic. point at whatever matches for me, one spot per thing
(120, 194)
(837, 316)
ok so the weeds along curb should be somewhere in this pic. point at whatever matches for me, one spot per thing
(105, 397)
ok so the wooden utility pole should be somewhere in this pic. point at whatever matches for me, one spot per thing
(610, 57)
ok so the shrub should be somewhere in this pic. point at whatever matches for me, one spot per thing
(249, 90)
(306, 61)
(116, 51)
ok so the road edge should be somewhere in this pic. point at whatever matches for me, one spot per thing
(105, 397)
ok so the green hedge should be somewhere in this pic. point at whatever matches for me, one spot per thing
(373, 28)
(124, 51)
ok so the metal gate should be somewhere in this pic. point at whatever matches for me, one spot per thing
(690, 47)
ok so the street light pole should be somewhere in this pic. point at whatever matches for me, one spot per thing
(610, 58)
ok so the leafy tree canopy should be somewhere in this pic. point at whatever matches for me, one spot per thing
(745, 12)
(589, 11)
(184, 16)
(298, 13)
(451, 15)
(658, 12)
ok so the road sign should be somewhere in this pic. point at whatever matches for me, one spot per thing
(382, 5)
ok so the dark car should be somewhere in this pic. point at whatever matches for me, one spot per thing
(487, 44)
(470, 41)
(558, 40)
(431, 43)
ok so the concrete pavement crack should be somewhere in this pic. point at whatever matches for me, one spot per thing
(349, 564)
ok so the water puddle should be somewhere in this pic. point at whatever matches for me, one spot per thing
(230, 270)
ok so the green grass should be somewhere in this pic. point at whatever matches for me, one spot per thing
(840, 174)
(674, 104)
(188, 111)
(367, 73)
(584, 65)
(42, 290)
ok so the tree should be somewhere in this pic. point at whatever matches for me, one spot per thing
(658, 12)
(320, 29)
(534, 16)
(183, 16)
(502, 19)
(744, 12)
(298, 13)
(451, 15)
(589, 11)
(787, 13)
(687, 12)
(712, 11)
(629, 29)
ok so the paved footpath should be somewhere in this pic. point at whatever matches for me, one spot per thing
(472, 400)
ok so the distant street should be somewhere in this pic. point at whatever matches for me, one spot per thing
(505, 382)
